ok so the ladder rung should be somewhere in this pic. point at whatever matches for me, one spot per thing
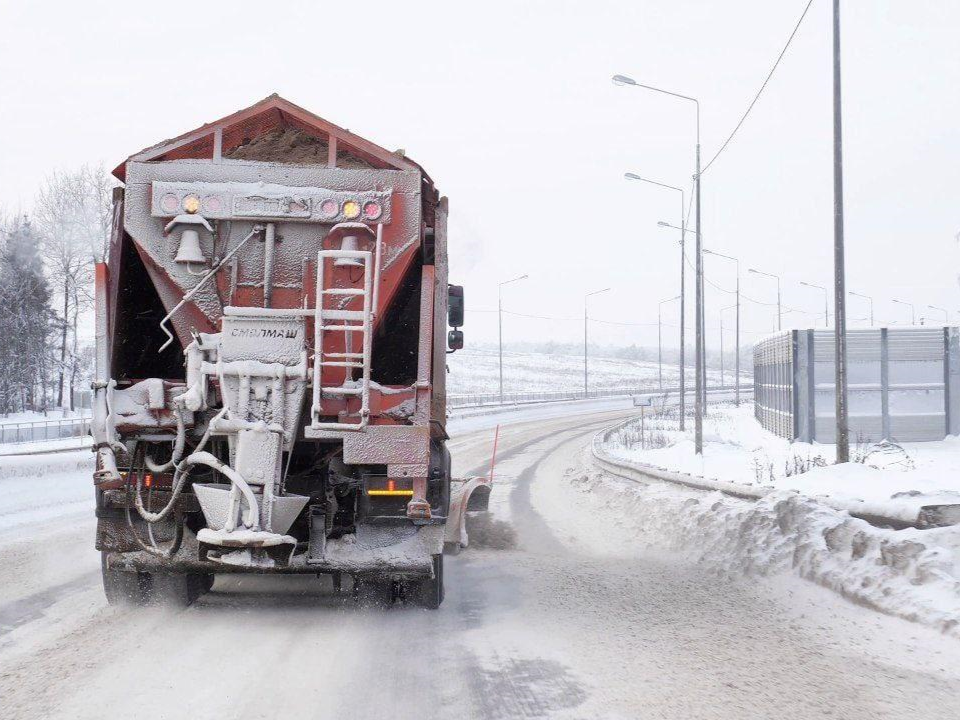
(341, 314)
(344, 355)
(341, 364)
(345, 291)
(340, 391)
(342, 328)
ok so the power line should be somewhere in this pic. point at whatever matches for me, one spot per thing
(541, 317)
(762, 87)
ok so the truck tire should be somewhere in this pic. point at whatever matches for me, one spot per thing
(121, 587)
(429, 593)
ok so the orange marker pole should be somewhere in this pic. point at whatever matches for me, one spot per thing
(493, 458)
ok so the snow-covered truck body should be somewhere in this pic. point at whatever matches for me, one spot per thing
(272, 332)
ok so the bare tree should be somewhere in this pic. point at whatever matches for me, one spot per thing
(73, 215)
(26, 319)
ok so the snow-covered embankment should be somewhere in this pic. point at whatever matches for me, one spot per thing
(795, 525)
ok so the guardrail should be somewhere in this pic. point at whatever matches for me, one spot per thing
(927, 516)
(27, 431)
(519, 398)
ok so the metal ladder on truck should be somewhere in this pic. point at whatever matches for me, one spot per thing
(349, 324)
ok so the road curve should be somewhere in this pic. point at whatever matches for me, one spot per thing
(543, 619)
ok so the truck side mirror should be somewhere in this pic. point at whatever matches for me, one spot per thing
(455, 340)
(455, 306)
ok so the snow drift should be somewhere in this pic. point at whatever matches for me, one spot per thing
(913, 574)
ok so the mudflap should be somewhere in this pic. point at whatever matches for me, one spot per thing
(466, 495)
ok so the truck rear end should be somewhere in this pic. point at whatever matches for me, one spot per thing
(272, 326)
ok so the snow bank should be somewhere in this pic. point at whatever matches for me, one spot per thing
(40, 487)
(913, 574)
(736, 449)
(46, 446)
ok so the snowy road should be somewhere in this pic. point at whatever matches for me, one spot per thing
(555, 613)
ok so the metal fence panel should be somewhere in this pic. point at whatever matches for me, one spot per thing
(899, 384)
(773, 383)
(15, 432)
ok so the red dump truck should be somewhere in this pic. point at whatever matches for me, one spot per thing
(272, 328)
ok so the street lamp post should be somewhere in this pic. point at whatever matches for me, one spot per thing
(700, 376)
(683, 292)
(737, 379)
(585, 322)
(500, 324)
(946, 315)
(868, 299)
(659, 340)
(779, 309)
(826, 301)
(736, 401)
(913, 310)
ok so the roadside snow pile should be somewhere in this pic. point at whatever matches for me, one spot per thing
(913, 574)
(39, 417)
(736, 449)
(39, 487)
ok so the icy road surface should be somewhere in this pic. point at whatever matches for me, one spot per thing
(550, 616)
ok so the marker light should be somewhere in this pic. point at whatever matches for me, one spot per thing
(372, 210)
(390, 488)
(351, 209)
(329, 208)
(191, 203)
(170, 203)
(212, 204)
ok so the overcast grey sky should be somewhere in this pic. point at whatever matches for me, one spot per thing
(510, 108)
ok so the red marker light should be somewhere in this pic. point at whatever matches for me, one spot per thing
(329, 208)
(212, 204)
(372, 210)
(170, 203)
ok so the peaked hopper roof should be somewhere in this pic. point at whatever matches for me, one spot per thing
(218, 138)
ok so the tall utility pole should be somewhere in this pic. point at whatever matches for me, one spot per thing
(868, 299)
(826, 301)
(586, 321)
(840, 295)
(700, 372)
(683, 291)
(500, 325)
(737, 261)
(660, 340)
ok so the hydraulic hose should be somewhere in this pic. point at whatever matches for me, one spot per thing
(137, 468)
(180, 475)
(177, 452)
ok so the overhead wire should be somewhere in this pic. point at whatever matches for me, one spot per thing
(760, 91)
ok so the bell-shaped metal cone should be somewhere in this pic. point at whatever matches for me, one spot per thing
(351, 243)
(189, 250)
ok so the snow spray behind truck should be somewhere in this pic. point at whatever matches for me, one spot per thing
(272, 327)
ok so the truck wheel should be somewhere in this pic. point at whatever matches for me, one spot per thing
(429, 593)
(121, 587)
